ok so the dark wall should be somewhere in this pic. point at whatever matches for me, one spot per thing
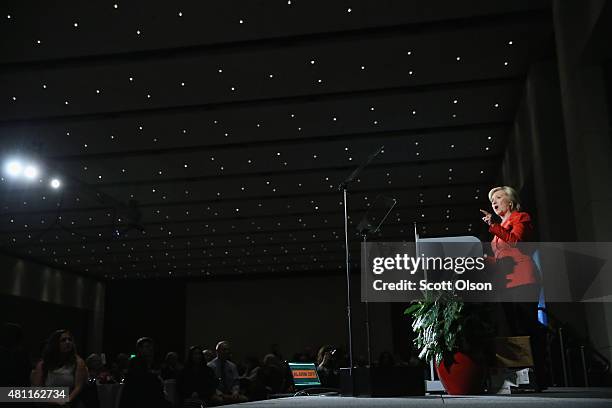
(293, 312)
(40, 319)
(135, 309)
(253, 313)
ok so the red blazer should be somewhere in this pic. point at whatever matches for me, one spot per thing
(517, 228)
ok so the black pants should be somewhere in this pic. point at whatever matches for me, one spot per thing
(522, 320)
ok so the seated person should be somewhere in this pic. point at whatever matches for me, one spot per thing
(209, 355)
(97, 371)
(272, 375)
(143, 388)
(119, 367)
(227, 373)
(197, 380)
(171, 366)
(327, 367)
(250, 381)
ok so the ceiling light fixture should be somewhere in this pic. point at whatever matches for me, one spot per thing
(30, 171)
(55, 183)
(13, 168)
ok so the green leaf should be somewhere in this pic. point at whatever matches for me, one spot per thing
(439, 323)
(413, 308)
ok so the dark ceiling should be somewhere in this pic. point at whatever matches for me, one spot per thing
(208, 138)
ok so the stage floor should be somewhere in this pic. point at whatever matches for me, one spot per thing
(552, 398)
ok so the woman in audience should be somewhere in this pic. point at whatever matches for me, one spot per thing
(61, 366)
(197, 381)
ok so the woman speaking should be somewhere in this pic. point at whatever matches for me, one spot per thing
(515, 227)
(521, 291)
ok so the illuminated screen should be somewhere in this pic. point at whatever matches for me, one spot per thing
(304, 374)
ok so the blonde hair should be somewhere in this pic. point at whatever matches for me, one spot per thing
(513, 196)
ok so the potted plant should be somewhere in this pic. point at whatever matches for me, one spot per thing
(452, 334)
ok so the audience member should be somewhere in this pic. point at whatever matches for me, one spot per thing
(171, 367)
(197, 382)
(327, 367)
(15, 366)
(209, 355)
(251, 365)
(143, 388)
(250, 384)
(98, 374)
(119, 367)
(227, 373)
(61, 366)
(97, 369)
(272, 374)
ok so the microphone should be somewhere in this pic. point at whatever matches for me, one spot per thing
(358, 170)
(379, 151)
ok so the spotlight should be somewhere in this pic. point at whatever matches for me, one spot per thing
(14, 168)
(55, 183)
(30, 171)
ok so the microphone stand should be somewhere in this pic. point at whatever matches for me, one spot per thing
(344, 188)
(366, 228)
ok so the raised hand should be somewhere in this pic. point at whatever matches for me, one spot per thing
(488, 217)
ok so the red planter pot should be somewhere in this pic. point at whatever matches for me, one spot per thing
(463, 377)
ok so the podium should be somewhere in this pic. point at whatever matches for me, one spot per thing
(440, 247)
